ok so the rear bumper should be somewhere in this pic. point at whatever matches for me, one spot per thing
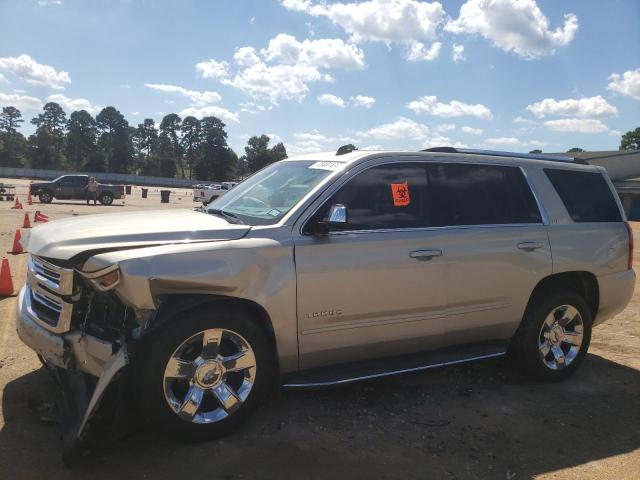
(616, 291)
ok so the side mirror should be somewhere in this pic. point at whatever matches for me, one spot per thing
(337, 219)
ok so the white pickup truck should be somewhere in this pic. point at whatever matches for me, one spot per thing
(208, 193)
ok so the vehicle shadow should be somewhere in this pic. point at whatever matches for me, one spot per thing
(475, 421)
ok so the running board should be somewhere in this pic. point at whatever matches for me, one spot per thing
(356, 372)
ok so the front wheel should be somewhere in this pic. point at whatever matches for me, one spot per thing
(200, 376)
(554, 336)
(45, 197)
(106, 199)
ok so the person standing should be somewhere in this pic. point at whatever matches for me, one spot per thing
(92, 190)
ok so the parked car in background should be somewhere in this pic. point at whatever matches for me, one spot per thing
(74, 187)
(325, 269)
(208, 193)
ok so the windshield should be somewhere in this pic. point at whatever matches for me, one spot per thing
(264, 198)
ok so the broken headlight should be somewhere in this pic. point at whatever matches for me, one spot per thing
(105, 279)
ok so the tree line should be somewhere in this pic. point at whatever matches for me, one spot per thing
(183, 148)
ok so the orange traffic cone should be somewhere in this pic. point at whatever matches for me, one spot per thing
(17, 205)
(39, 217)
(6, 285)
(29, 199)
(26, 223)
(17, 246)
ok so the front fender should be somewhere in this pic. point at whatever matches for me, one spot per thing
(260, 270)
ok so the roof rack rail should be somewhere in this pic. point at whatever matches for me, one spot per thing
(496, 153)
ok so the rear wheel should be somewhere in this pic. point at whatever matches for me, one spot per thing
(106, 199)
(45, 197)
(554, 336)
(200, 376)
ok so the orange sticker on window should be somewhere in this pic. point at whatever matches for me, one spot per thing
(400, 193)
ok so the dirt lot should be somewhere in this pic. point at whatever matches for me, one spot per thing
(475, 421)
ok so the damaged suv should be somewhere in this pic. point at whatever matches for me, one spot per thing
(324, 269)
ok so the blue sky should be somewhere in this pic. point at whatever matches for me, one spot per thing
(402, 74)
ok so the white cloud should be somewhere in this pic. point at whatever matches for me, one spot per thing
(277, 82)
(73, 104)
(525, 121)
(210, 110)
(431, 106)
(213, 69)
(576, 125)
(457, 53)
(27, 69)
(274, 138)
(246, 56)
(444, 127)
(627, 84)
(47, 3)
(321, 53)
(21, 102)
(400, 128)
(3, 79)
(372, 147)
(125, 86)
(513, 141)
(592, 107)
(418, 52)
(314, 136)
(329, 99)
(197, 98)
(517, 26)
(615, 133)
(401, 21)
(472, 131)
(285, 68)
(437, 141)
(362, 101)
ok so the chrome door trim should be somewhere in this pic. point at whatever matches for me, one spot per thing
(394, 372)
(427, 229)
(543, 213)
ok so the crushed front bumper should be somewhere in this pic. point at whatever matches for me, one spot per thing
(83, 366)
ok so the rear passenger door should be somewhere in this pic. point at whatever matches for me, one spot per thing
(495, 245)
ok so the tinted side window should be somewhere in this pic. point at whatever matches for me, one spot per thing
(586, 195)
(462, 194)
(387, 196)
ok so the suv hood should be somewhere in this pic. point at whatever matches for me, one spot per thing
(63, 239)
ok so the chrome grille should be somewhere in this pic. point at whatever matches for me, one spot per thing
(47, 285)
(56, 279)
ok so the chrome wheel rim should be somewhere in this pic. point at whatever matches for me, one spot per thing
(561, 337)
(209, 376)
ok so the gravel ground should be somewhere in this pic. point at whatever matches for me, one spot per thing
(476, 421)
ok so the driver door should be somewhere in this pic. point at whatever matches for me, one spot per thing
(374, 288)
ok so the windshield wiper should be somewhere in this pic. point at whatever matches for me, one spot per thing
(228, 216)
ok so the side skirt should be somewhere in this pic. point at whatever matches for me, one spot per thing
(371, 369)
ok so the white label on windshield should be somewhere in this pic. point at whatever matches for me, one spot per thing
(274, 212)
(327, 165)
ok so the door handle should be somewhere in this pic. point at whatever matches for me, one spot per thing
(529, 246)
(425, 254)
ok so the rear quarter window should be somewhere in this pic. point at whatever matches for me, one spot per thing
(586, 195)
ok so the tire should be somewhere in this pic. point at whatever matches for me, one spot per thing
(541, 330)
(106, 199)
(45, 197)
(161, 396)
